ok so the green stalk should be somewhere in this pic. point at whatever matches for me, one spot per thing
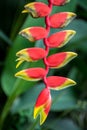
(34, 125)
(9, 103)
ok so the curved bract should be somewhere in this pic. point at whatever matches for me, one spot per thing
(37, 9)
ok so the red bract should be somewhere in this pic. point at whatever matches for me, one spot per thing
(32, 74)
(59, 39)
(42, 105)
(37, 9)
(60, 59)
(61, 19)
(30, 55)
(57, 82)
(60, 2)
(34, 33)
(36, 53)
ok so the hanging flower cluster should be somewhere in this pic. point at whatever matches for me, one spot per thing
(56, 40)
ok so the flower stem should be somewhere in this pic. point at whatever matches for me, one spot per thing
(34, 125)
(46, 43)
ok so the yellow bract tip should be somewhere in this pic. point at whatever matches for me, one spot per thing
(71, 14)
(71, 32)
(21, 74)
(43, 117)
(19, 63)
(40, 111)
(67, 1)
(68, 83)
(29, 5)
(25, 11)
(71, 55)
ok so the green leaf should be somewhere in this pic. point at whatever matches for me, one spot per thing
(73, 73)
(83, 3)
(81, 65)
(27, 100)
(63, 100)
(5, 38)
(61, 124)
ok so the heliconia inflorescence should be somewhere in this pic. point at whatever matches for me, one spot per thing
(56, 40)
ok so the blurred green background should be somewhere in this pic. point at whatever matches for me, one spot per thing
(17, 97)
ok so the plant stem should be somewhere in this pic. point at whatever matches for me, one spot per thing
(34, 124)
(9, 103)
(46, 43)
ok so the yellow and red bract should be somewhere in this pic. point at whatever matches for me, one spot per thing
(43, 104)
(61, 19)
(30, 55)
(34, 33)
(60, 59)
(32, 74)
(58, 82)
(59, 39)
(37, 9)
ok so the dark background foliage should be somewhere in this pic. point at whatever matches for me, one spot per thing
(69, 108)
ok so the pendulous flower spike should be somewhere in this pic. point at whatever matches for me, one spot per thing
(37, 9)
(57, 40)
(59, 60)
(58, 82)
(34, 33)
(62, 19)
(32, 74)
